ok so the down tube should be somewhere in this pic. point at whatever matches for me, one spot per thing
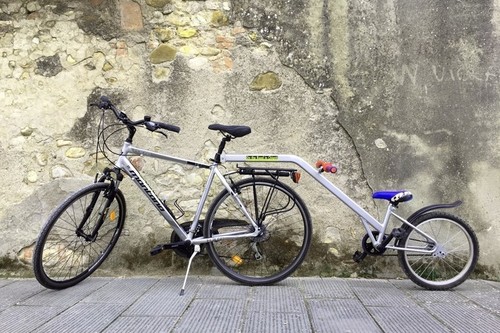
(132, 172)
(311, 171)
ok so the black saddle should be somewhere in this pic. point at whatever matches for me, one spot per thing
(236, 131)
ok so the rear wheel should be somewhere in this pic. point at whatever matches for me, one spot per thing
(454, 256)
(66, 251)
(280, 247)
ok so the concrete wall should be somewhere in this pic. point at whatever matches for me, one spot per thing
(398, 94)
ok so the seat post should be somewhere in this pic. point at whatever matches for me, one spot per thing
(222, 145)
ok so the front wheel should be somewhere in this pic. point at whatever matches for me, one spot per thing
(70, 247)
(280, 247)
(453, 247)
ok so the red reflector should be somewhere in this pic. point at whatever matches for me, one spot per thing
(295, 176)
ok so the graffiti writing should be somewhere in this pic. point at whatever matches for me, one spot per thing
(416, 74)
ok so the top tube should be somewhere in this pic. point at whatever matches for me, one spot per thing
(129, 150)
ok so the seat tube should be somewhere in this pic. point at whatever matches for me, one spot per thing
(385, 223)
(203, 199)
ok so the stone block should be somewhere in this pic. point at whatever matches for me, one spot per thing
(131, 15)
(164, 34)
(219, 19)
(224, 42)
(48, 66)
(96, 3)
(266, 81)
(178, 19)
(186, 32)
(162, 53)
(75, 152)
(26, 254)
(33, 6)
(157, 3)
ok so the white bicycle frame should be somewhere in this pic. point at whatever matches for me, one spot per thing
(126, 166)
(367, 219)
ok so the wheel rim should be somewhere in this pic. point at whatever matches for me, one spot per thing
(67, 256)
(452, 257)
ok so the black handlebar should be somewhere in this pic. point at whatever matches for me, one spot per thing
(106, 104)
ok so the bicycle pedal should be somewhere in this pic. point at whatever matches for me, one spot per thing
(168, 246)
(157, 249)
(358, 256)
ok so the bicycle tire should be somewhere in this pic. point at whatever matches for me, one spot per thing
(453, 260)
(61, 258)
(283, 243)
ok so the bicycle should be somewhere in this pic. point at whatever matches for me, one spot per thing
(257, 231)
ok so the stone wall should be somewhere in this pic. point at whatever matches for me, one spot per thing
(396, 96)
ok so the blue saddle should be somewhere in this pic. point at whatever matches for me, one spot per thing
(395, 197)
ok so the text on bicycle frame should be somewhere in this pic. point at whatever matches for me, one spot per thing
(146, 190)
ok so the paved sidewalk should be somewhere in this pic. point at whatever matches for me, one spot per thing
(216, 304)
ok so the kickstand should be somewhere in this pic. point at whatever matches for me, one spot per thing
(196, 251)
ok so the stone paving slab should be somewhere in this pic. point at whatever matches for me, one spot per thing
(405, 319)
(217, 304)
(27, 318)
(146, 324)
(341, 315)
(65, 297)
(212, 315)
(18, 291)
(276, 322)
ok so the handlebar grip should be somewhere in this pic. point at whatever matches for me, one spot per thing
(330, 168)
(326, 166)
(168, 127)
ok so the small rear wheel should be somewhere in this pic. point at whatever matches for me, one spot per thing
(450, 259)
(280, 247)
(66, 251)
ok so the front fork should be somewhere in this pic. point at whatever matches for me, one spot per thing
(109, 194)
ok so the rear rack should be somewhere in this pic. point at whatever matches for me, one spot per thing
(273, 172)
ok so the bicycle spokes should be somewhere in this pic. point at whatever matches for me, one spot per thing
(448, 261)
(78, 237)
(282, 241)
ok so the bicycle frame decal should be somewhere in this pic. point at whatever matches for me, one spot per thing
(262, 158)
(146, 190)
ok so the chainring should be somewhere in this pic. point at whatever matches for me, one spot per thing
(368, 247)
(183, 250)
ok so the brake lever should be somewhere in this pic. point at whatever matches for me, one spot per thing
(162, 133)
